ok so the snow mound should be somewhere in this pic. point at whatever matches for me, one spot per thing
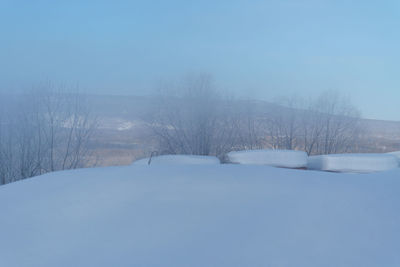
(396, 154)
(178, 160)
(361, 163)
(276, 158)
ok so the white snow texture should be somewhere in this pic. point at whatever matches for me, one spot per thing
(197, 215)
(276, 158)
(396, 154)
(362, 163)
(178, 160)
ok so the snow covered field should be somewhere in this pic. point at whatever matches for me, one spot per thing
(198, 215)
(396, 154)
(178, 160)
(360, 163)
(276, 158)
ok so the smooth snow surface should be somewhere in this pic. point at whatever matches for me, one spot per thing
(276, 158)
(396, 154)
(178, 160)
(362, 163)
(215, 215)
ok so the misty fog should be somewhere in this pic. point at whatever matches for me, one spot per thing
(199, 133)
(260, 50)
(55, 127)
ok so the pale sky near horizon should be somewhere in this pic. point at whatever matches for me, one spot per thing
(257, 48)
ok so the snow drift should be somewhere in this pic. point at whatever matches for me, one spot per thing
(396, 154)
(178, 160)
(362, 163)
(197, 215)
(276, 158)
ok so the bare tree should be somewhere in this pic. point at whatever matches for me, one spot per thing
(8, 172)
(283, 123)
(327, 124)
(340, 122)
(193, 118)
(50, 129)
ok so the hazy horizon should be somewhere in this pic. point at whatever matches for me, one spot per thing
(261, 49)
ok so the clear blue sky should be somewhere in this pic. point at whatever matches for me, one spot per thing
(260, 48)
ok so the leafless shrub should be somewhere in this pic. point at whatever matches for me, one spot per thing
(45, 130)
(193, 118)
(324, 125)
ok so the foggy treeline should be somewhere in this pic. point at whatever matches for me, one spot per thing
(43, 130)
(326, 124)
(193, 117)
(50, 129)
